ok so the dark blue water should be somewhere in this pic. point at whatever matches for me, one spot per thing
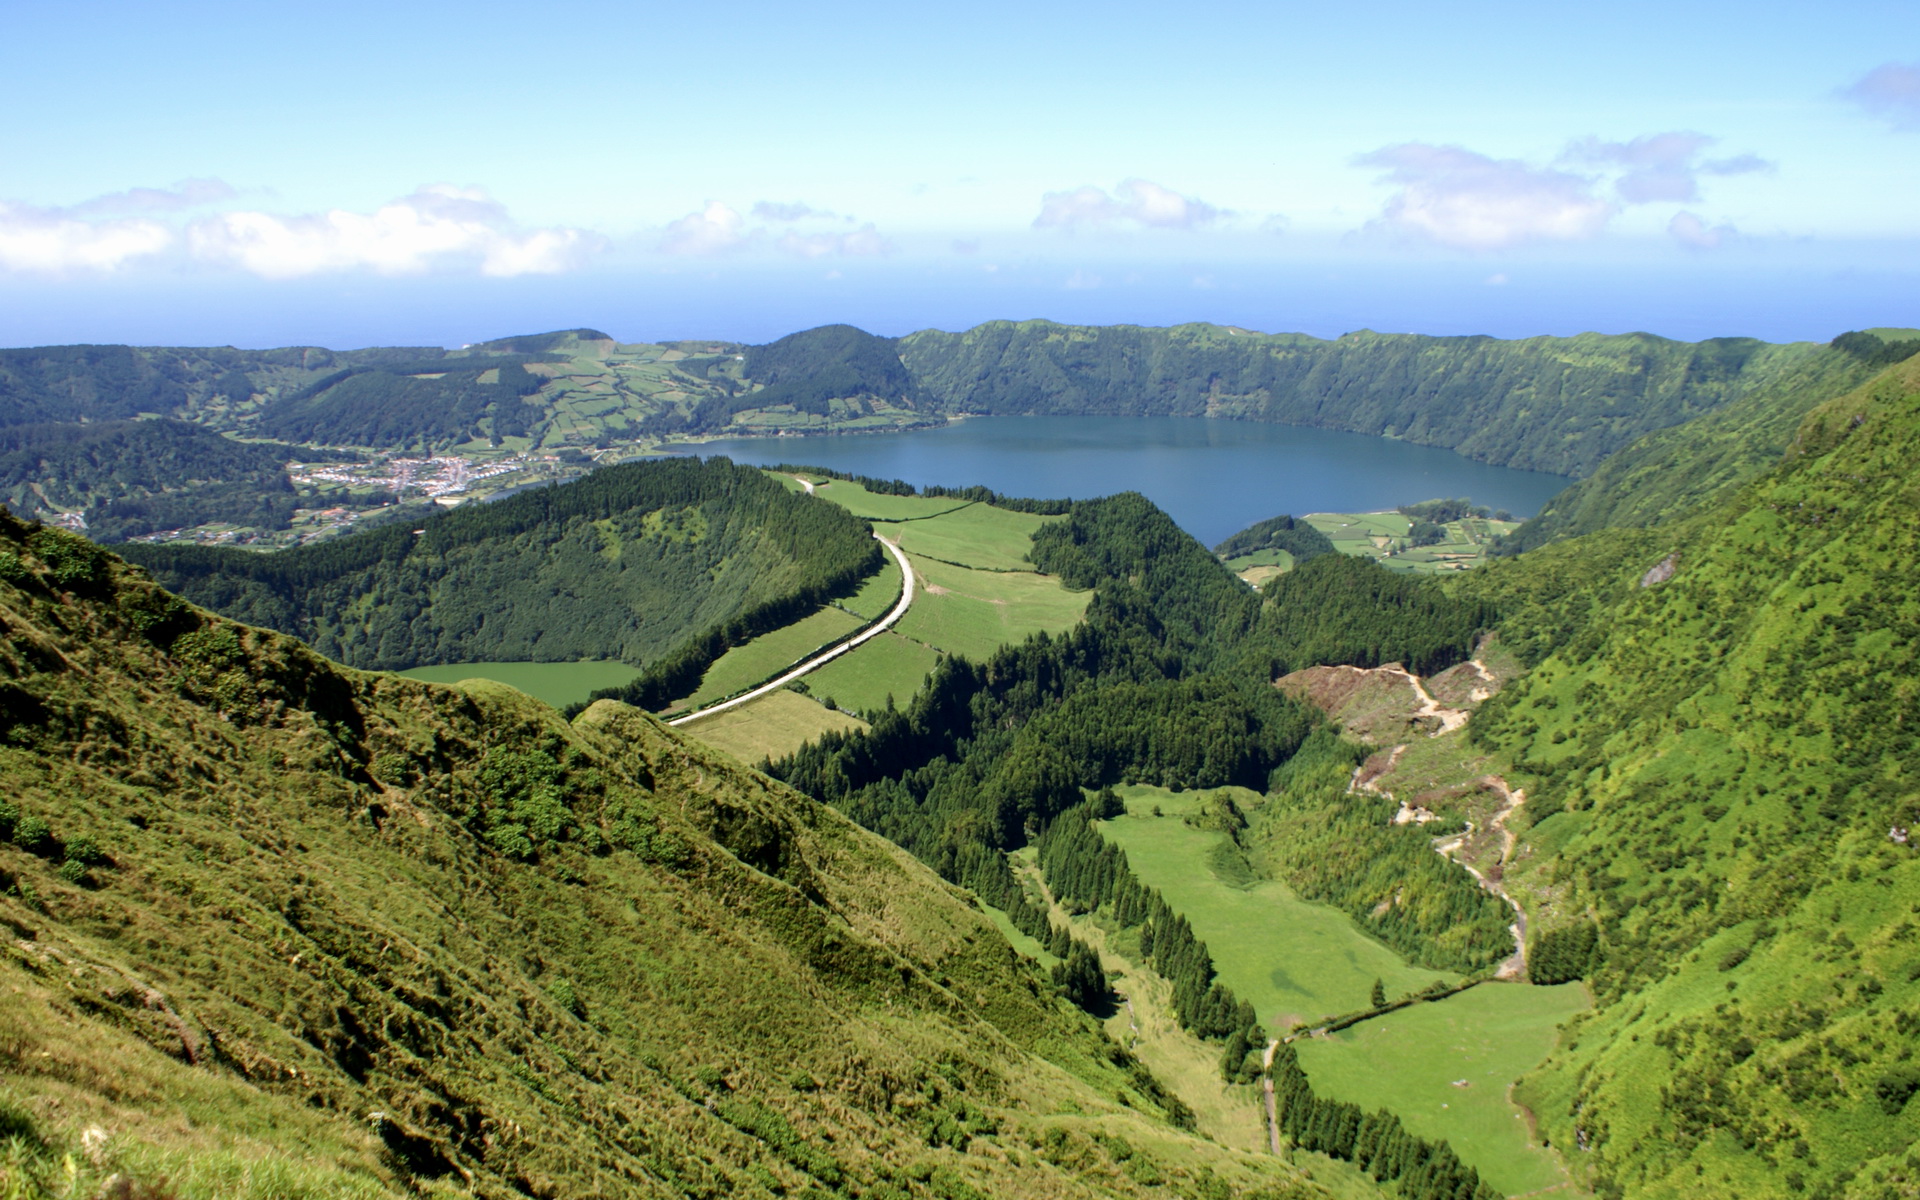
(1214, 477)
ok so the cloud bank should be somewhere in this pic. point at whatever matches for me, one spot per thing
(1461, 198)
(1134, 201)
(437, 226)
(719, 229)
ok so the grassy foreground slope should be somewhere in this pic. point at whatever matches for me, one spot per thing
(629, 563)
(279, 928)
(1722, 747)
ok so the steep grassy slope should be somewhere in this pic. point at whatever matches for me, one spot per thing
(1545, 404)
(1721, 734)
(628, 563)
(1672, 470)
(283, 929)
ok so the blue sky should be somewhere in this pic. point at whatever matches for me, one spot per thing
(435, 174)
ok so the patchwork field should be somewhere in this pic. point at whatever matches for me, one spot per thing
(1383, 536)
(773, 726)
(1292, 959)
(558, 684)
(1445, 1068)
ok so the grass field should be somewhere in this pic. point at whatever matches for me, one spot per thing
(962, 611)
(979, 535)
(1382, 536)
(1292, 959)
(1411, 1061)
(877, 594)
(770, 653)
(876, 507)
(773, 726)
(558, 684)
(863, 679)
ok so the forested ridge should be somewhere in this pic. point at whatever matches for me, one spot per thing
(135, 477)
(627, 564)
(1543, 404)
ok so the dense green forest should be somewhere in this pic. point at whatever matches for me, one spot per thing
(629, 563)
(410, 406)
(282, 930)
(135, 477)
(1297, 538)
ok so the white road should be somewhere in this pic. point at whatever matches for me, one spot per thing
(825, 656)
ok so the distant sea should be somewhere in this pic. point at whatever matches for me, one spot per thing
(1213, 477)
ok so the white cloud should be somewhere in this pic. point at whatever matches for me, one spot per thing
(188, 193)
(1691, 231)
(770, 210)
(1660, 166)
(1457, 197)
(1497, 279)
(719, 229)
(437, 226)
(55, 240)
(1890, 90)
(715, 229)
(864, 242)
(1139, 201)
(1081, 281)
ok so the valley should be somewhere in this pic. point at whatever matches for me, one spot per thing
(1414, 852)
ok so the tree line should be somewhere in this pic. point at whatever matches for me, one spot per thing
(632, 562)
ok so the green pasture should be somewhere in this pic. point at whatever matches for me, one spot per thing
(877, 595)
(1445, 1068)
(1292, 959)
(974, 613)
(1270, 557)
(863, 678)
(770, 653)
(1465, 546)
(876, 507)
(773, 726)
(977, 535)
(558, 684)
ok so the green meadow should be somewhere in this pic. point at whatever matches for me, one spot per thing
(1382, 536)
(974, 613)
(772, 726)
(1294, 960)
(558, 684)
(877, 507)
(770, 653)
(978, 535)
(863, 678)
(1445, 1069)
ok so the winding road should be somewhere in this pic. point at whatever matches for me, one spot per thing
(825, 656)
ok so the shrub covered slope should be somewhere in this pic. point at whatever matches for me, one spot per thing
(283, 929)
(1722, 742)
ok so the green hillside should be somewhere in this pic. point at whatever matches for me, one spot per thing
(281, 929)
(1720, 736)
(1545, 404)
(629, 563)
(134, 477)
